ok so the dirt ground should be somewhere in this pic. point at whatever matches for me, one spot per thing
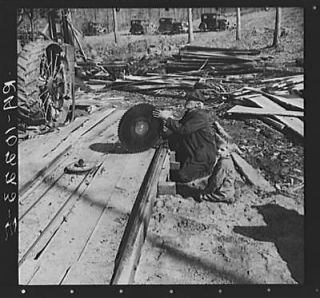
(259, 238)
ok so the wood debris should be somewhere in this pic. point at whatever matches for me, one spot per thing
(279, 111)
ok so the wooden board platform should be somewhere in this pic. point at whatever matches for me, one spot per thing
(71, 225)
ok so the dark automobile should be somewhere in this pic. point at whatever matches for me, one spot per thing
(168, 26)
(213, 22)
(136, 27)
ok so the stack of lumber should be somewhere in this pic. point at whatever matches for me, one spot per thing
(275, 110)
(218, 60)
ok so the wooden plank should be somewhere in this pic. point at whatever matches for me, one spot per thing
(290, 78)
(276, 124)
(153, 87)
(72, 237)
(48, 154)
(282, 100)
(293, 123)
(96, 263)
(49, 140)
(47, 202)
(251, 174)
(261, 111)
(136, 229)
(223, 50)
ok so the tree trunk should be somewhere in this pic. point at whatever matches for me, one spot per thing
(276, 34)
(190, 27)
(238, 32)
(115, 25)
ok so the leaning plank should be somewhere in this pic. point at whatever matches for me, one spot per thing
(96, 263)
(70, 240)
(251, 174)
(293, 123)
(281, 100)
(136, 229)
(264, 112)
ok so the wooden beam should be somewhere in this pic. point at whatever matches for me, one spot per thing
(251, 174)
(136, 229)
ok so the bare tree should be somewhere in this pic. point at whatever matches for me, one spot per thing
(276, 34)
(238, 32)
(190, 27)
(115, 25)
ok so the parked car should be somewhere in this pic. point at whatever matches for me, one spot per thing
(168, 26)
(136, 27)
(213, 22)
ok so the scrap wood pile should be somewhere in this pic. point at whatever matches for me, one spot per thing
(281, 111)
(101, 73)
(218, 61)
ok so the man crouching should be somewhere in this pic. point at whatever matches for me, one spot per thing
(191, 139)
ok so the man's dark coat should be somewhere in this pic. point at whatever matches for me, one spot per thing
(195, 145)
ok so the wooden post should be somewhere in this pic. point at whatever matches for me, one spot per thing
(190, 31)
(115, 25)
(276, 34)
(238, 32)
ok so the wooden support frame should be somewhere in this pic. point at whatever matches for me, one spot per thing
(165, 186)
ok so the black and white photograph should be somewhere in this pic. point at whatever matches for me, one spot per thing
(161, 146)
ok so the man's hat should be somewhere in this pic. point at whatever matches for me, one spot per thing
(195, 95)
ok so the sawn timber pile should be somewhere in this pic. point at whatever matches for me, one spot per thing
(217, 60)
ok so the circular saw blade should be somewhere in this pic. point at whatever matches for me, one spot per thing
(138, 130)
